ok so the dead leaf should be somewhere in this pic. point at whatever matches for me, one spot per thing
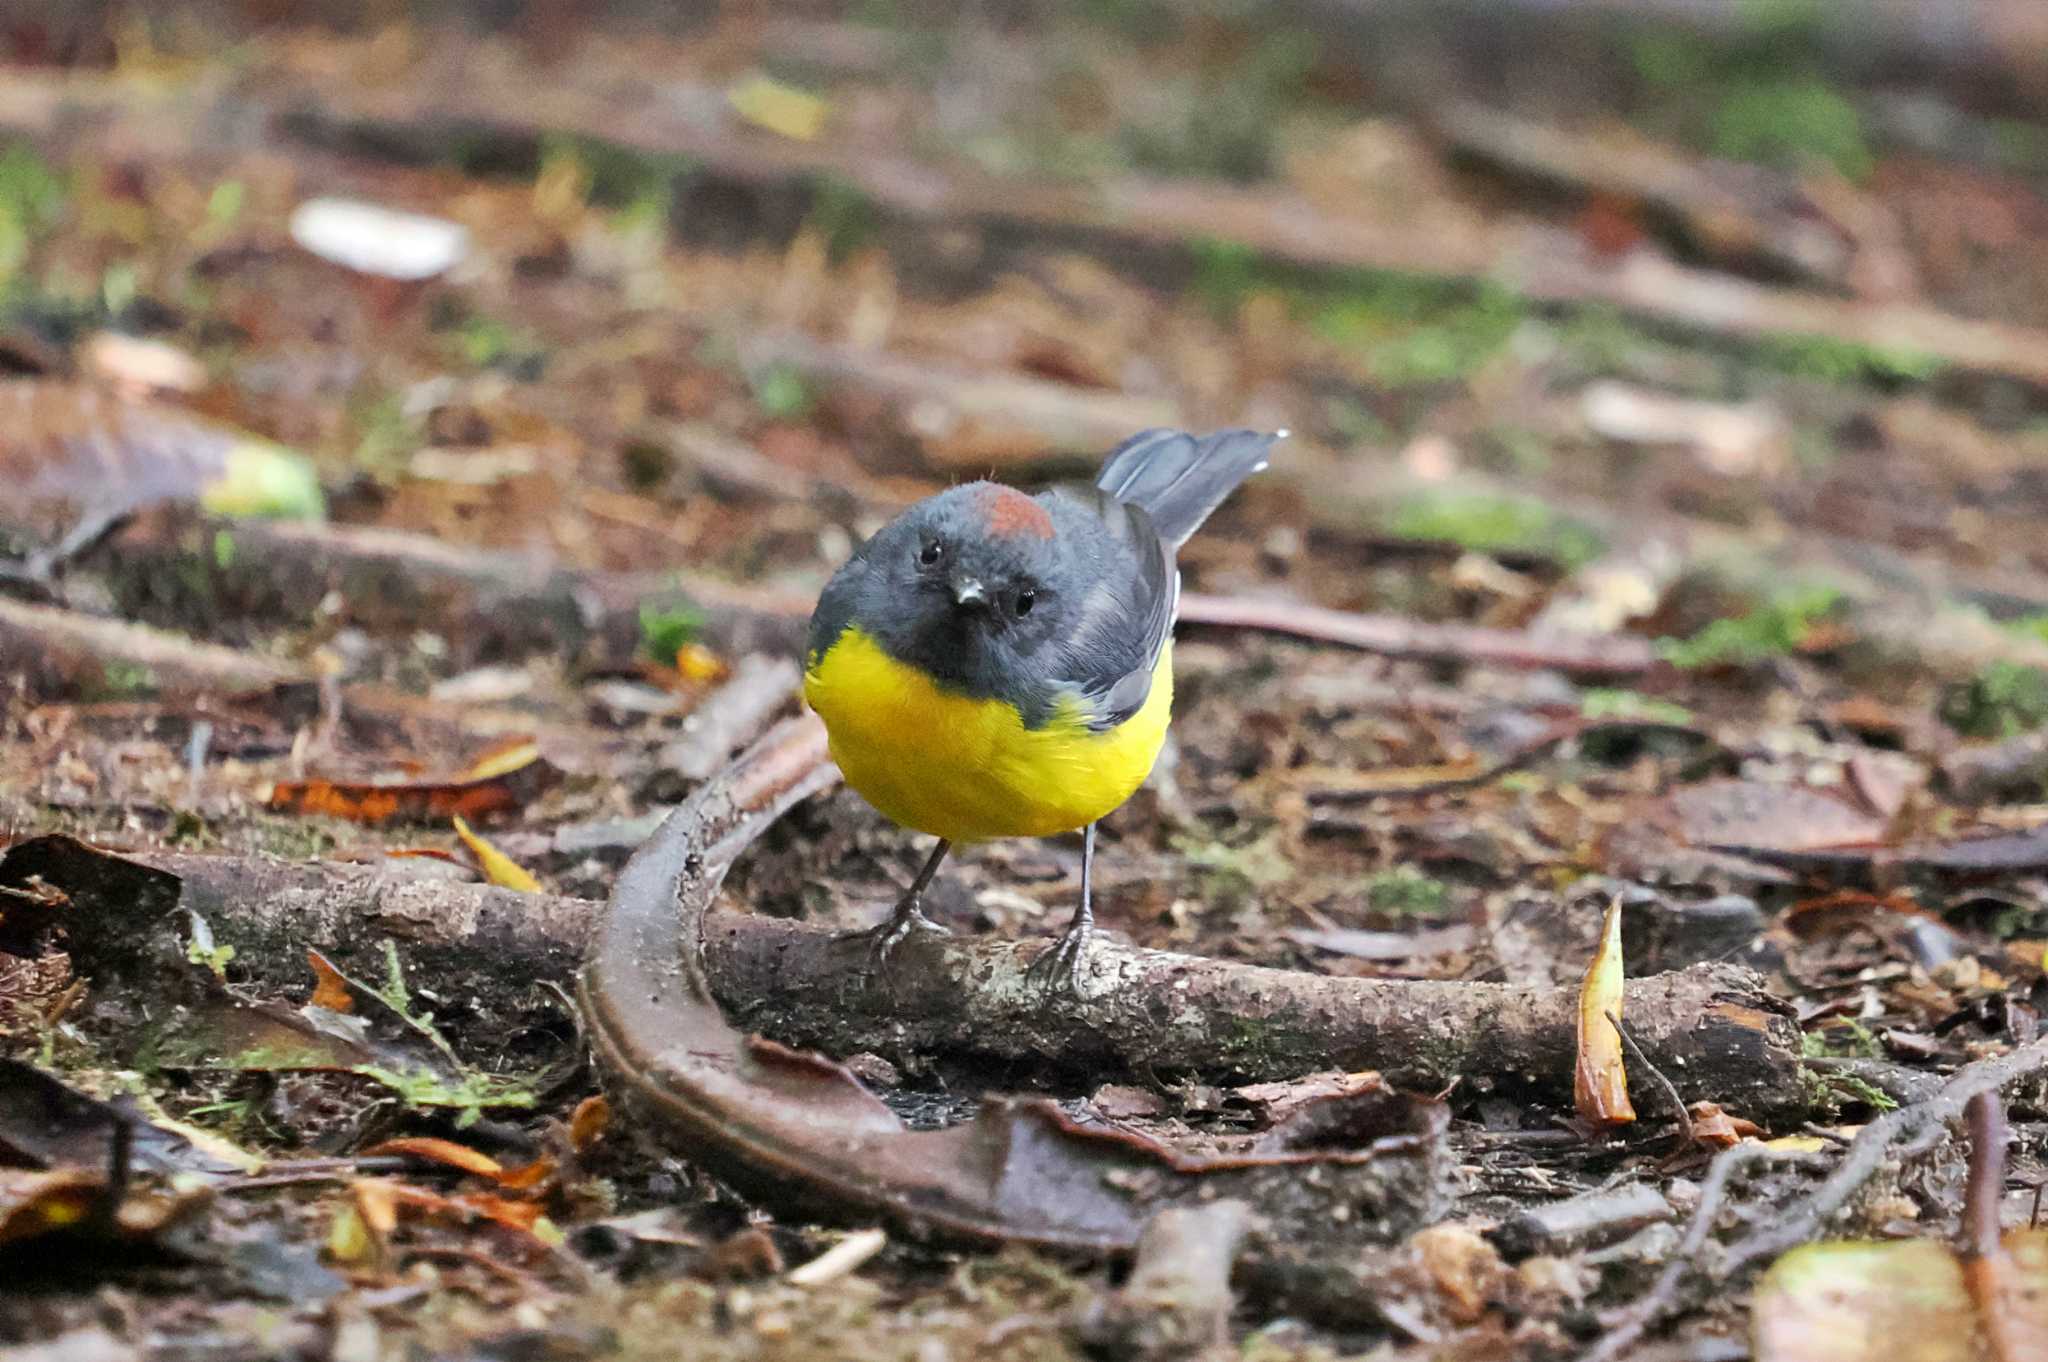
(784, 109)
(1742, 814)
(332, 990)
(1859, 1301)
(439, 1151)
(497, 867)
(502, 758)
(700, 666)
(1715, 1128)
(74, 1202)
(1600, 1080)
(587, 1124)
(51, 1123)
(1466, 1269)
(509, 785)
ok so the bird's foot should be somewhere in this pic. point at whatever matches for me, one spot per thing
(882, 941)
(1057, 967)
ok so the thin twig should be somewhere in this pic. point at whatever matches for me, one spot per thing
(1628, 1325)
(1678, 1103)
(1918, 1126)
(1402, 636)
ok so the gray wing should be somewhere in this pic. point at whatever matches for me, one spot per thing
(1122, 629)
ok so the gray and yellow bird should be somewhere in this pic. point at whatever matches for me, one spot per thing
(992, 664)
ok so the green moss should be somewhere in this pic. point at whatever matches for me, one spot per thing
(617, 176)
(2003, 699)
(124, 680)
(385, 436)
(1842, 1037)
(1792, 124)
(1774, 629)
(1406, 892)
(1234, 873)
(842, 213)
(1414, 330)
(780, 392)
(1487, 523)
(666, 629)
(486, 343)
(1627, 704)
(32, 199)
(1840, 361)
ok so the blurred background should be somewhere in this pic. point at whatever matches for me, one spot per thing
(1546, 276)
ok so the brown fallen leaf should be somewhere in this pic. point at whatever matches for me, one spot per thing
(1752, 813)
(588, 1123)
(1714, 1127)
(440, 1151)
(331, 990)
(76, 1201)
(509, 784)
(1600, 1080)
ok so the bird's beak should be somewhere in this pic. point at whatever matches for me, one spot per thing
(969, 593)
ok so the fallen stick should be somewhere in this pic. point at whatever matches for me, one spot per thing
(1139, 1013)
(488, 605)
(1611, 655)
(49, 651)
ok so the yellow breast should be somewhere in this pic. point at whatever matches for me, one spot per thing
(969, 770)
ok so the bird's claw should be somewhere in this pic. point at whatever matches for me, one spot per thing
(1056, 970)
(883, 940)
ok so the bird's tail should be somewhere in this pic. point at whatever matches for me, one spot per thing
(1180, 478)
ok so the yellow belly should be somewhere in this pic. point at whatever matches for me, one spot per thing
(968, 770)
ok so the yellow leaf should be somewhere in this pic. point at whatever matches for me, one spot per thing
(502, 759)
(1600, 1081)
(777, 107)
(262, 479)
(498, 868)
(695, 662)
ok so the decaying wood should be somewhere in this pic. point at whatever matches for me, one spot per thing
(802, 1131)
(1740, 213)
(1177, 1300)
(488, 605)
(51, 652)
(1138, 1012)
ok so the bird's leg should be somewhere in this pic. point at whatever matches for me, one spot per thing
(909, 915)
(1054, 969)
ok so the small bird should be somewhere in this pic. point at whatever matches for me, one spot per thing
(992, 664)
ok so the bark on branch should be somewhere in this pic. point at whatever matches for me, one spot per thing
(1140, 1012)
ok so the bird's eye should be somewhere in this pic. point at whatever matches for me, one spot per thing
(1025, 600)
(930, 553)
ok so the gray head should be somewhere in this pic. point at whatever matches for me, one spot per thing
(979, 586)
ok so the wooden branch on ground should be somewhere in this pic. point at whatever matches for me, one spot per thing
(1140, 1012)
(48, 651)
